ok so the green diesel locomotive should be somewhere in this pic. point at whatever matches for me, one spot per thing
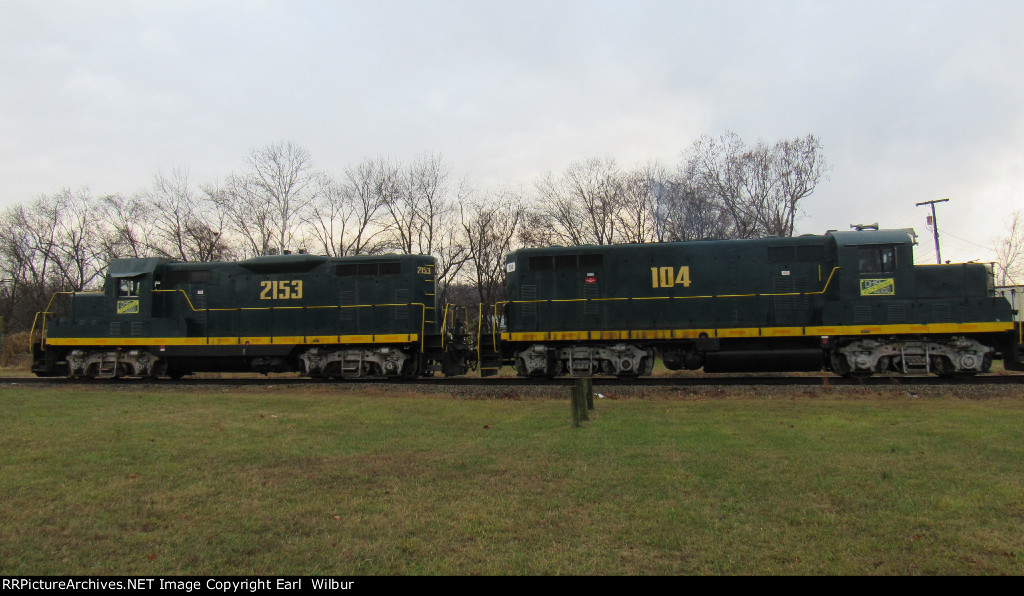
(367, 316)
(852, 302)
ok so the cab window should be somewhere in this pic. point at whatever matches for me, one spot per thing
(876, 259)
(128, 288)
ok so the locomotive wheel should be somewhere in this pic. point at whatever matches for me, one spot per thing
(411, 368)
(943, 367)
(332, 371)
(842, 368)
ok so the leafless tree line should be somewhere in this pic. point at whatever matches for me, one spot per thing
(280, 201)
(721, 188)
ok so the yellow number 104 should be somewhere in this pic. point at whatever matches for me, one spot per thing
(667, 277)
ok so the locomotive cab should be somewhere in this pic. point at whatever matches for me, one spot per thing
(876, 274)
(78, 328)
(128, 287)
(892, 315)
(875, 265)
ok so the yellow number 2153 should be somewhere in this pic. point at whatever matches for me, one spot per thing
(281, 290)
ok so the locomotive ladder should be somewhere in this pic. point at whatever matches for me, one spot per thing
(916, 360)
(489, 354)
(107, 368)
(353, 366)
(585, 366)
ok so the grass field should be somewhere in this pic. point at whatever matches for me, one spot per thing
(361, 479)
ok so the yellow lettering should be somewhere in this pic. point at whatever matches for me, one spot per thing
(683, 278)
(667, 277)
(281, 290)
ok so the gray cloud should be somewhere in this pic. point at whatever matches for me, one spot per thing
(913, 100)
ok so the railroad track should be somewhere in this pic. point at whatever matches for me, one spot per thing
(700, 381)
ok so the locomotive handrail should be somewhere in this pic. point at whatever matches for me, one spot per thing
(423, 326)
(444, 325)
(32, 332)
(444, 320)
(480, 328)
(494, 329)
(46, 313)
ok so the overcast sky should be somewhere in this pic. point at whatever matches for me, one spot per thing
(912, 100)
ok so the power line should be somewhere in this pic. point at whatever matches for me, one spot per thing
(968, 241)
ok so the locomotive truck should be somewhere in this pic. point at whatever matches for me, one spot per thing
(851, 302)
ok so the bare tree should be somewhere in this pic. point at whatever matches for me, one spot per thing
(29, 242)
(365, 186)
(327, 218)
(129, 220)
(715, 168)
(637, 210)
(284, 175)
(421, 214)
(52, 244)
(490, 227)
(1010, 251)
(346, 218)
(799, 166)
(684, 213)
(78, 240)
(26, 248)
(536, 230)
(757, 188)
(438, 231)
(583, 205)
(265, 204)
(187, 226)
(415, 198)
(246, 213)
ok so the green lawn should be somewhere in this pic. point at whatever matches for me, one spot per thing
(317, 479)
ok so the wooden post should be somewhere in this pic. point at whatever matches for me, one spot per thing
(582, 399)
(574, 405)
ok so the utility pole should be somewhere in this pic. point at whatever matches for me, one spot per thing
(935, 226)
